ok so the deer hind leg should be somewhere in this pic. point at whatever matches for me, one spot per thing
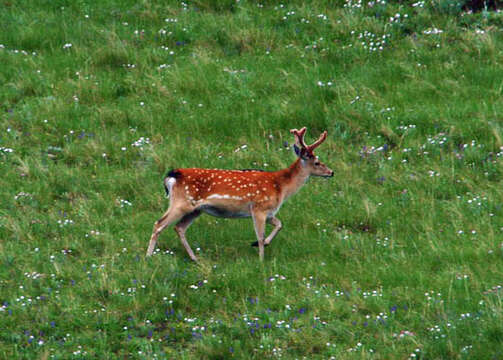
(171, 216)
(182, 226)
(259, 219)
(274, 221)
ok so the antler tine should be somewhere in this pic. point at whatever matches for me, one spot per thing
(317, 143)
(299, 137)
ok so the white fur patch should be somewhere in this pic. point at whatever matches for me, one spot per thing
(218, 196)
(170, 182)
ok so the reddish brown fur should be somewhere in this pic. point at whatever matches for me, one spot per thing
(237, 193)
(253, 185)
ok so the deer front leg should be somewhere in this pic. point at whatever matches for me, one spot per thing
(259, 219)
(277, 227)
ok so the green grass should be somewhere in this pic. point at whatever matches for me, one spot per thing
(398, 256)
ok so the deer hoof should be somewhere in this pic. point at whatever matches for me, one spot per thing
(255, 244)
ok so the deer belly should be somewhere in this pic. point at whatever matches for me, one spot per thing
(224, 212)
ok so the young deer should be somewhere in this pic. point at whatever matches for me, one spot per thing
(237, 193)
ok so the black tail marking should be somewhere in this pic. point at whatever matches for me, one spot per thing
(174, 173)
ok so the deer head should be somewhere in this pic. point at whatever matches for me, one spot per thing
(309, 161)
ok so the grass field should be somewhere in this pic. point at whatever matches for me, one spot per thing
(399, 256)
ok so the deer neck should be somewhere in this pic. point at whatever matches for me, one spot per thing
(293, 178)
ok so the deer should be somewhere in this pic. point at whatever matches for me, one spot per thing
(251, 193)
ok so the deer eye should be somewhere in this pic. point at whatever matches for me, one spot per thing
(317, 163)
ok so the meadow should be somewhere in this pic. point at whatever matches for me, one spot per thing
(399, 256)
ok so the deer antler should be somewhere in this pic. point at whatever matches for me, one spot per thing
(299, 139)
(318, 142)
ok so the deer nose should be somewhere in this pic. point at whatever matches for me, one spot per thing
(332, 174)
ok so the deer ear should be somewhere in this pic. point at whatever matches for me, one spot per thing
(297, 150)
(300, 152)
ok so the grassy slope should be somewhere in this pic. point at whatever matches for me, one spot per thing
(400, 254)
